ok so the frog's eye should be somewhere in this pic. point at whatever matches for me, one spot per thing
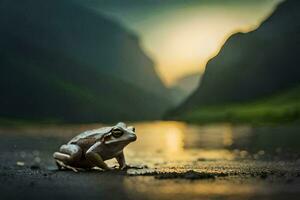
(117, 133)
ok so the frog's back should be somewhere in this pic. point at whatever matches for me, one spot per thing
(95, 134)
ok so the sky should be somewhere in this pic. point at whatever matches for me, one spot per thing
(182, 35)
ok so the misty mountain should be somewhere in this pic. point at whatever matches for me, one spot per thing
(62, 61)
(184, 87)
(253, 65)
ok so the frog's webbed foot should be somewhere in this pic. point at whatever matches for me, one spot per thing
(62, 165)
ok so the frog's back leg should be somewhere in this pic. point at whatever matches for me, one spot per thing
(68, 154)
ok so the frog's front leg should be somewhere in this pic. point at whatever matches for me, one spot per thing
(121, 160)
(94, 157)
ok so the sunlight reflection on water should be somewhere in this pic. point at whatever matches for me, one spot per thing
(175, 141)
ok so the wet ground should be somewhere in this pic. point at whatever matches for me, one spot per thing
(170, 160)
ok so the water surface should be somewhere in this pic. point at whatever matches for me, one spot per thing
(247, 161)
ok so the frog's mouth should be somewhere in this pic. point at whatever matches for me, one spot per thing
(132, 138)
(120, 142)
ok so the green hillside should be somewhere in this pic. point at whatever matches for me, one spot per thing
(61, 61)
(283, 107)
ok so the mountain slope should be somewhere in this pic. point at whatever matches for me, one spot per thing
(184, 87)
(255, 64)
(61, 61)
(278, 108)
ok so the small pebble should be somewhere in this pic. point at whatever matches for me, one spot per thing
(19, 163)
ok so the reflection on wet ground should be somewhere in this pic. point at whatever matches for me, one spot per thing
(175, 141)
(181, 161)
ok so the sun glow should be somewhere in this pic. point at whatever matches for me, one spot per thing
(184, 44)
(181, 37)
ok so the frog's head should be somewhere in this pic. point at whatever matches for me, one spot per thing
(121, 135)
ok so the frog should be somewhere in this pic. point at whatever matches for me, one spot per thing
(91, 148)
